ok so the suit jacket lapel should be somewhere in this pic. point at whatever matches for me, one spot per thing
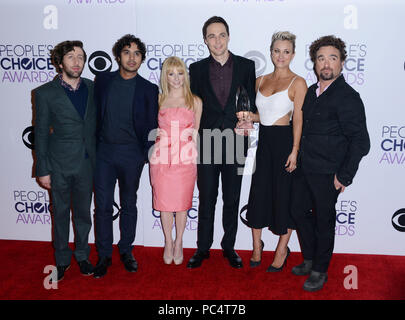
(137, 107)
(235, 75)
(310, 107)
(88, 105)
(136, 102)
(65, 99)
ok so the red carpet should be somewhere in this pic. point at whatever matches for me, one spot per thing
(23, 262)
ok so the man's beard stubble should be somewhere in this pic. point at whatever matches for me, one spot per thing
(327, 77)
(73, 75)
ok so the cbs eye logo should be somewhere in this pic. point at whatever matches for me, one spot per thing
(259, 59)
(28, 137)
(243, 218)
(99, 61)
(398, 220)
(117, 211)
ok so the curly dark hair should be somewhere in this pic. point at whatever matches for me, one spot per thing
(328, 41)
(61, 49)
(126, 41)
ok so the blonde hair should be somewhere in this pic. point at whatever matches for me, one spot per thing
(168, 65)
(283, 35)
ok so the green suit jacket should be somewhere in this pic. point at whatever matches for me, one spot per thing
(62, 137)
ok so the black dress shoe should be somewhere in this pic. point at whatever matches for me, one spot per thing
(303, 268)
(254, 264)
(315, 281)
(101, 268)
(274, 269)
(234, 260)
(60, 273)
(197, 259)
(129, 262)
(86, 268)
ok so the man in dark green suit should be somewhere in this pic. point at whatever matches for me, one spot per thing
(65, 126)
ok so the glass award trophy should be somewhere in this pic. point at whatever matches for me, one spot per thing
(242, 111)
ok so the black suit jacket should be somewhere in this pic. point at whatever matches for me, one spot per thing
(145, 107)
(213, 115)
(334, 135)
(62, 137)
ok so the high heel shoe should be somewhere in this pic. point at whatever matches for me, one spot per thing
(178, 260)
(168, 258)
(274, 269)
(254, 264)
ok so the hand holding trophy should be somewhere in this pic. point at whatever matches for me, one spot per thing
(244, 124)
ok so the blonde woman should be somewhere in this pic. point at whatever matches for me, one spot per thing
(279, 100)
(173, 168)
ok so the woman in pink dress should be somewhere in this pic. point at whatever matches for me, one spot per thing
(173, 161)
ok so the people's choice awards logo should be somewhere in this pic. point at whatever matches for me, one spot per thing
(99, 61)
(157, 53)
(393, 145)
(192, 217)
(353, 69)
(346, 217)
(398, 220)
(259, 59)
(26, 63)
(32, 207)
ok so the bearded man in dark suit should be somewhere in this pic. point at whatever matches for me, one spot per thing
(65, 148)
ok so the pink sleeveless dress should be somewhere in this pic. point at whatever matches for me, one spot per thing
(173, 163)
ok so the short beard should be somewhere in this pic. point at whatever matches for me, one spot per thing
(72, 75)
(325, 78)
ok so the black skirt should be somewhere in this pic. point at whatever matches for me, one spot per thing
(270, 190)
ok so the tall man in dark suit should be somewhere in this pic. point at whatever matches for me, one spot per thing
(127, 107)
(334, 139)
(65, 147)
(216, 80)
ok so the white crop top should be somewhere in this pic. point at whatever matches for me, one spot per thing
(273, 107)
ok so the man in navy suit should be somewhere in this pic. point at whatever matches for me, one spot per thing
(127, 107)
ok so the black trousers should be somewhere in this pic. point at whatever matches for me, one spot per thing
(72, 191)
(224, 161)
(313, 209)
(122, 163)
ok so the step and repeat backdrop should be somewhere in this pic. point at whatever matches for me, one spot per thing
(370, 213)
